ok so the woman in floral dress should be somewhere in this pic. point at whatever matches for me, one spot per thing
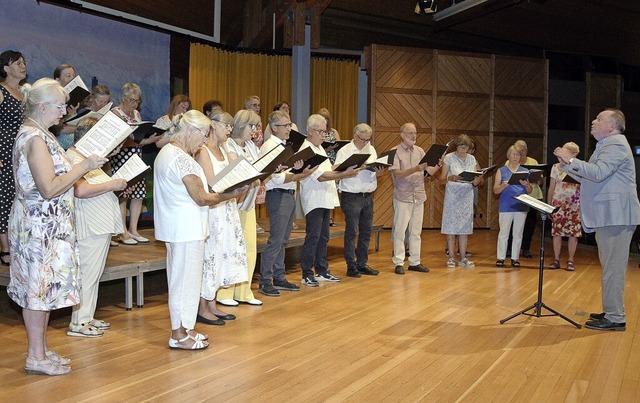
(44, 257)
(225, 252)
(566, 221)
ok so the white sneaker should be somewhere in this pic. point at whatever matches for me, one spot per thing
(451, 264)
(466, 263)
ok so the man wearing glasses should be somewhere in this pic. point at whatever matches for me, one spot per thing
(281, 203)
(319, 195)
(357, 203)
(409, 196)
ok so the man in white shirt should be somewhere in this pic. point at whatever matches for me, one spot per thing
(281, 203)
(357, 203)
(318, 195)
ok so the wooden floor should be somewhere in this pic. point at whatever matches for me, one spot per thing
(432, 337)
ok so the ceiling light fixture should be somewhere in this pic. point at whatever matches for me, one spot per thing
(426, 6)
(457, 8)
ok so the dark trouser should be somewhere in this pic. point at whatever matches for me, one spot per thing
(281, 207)
(314, 250)
(527, 234)
(358, 215)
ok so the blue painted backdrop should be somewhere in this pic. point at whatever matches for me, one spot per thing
(109, 52)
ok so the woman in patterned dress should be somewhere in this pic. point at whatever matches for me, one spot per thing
(566, 221)
(225, 252)
(44, 257)
(13, 69)
(128, 111)
(457, 211)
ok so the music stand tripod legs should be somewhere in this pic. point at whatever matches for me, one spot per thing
(543, 208)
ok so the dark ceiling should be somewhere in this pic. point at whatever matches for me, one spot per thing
(608, 28)
(593, 27)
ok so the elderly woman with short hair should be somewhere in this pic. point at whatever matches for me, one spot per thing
(181, 205)
(44, 256)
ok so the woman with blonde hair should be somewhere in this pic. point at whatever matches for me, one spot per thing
(566, 221)
(44, 247)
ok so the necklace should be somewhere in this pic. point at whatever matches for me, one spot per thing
(40, 127)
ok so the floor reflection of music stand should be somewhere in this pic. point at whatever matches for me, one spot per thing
(544, 209)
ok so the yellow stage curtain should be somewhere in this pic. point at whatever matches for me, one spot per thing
(232, 76)
(334, 85)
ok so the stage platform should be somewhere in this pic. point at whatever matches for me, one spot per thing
(128, 261)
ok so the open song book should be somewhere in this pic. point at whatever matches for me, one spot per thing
(238, 173)
(77, 91)
(469, 176)
(133, 171)
(104, 136)
(385, 160)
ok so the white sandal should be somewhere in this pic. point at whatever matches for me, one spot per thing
(197, 344)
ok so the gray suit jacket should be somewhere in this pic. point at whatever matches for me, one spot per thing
(608, 194)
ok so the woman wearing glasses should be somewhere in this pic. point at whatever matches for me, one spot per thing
(131, 96)
(13, 69)
(44, 256)
(245, 124)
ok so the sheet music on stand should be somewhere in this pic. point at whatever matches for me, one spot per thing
(536, 204)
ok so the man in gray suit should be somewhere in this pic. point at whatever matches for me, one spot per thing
(610, 208)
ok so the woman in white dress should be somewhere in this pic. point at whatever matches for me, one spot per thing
(225, 252)
(457, 211)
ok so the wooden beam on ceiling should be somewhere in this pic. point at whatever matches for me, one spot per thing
(290, 15)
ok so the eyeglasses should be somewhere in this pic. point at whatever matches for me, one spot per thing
(323, 132)
(287, 125)
(62, 107)
(363, 140)
(133, 101)
(228, 126)
(19, 62)
(206, 135)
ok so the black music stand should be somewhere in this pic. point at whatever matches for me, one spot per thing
(544, 209)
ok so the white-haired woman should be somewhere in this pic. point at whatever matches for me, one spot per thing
(181, 205)
(44, 256)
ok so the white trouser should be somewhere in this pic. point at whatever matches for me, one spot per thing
(184, 277)
(505, 220)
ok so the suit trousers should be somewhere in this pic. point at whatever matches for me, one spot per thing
(281, 207)
(358, 217)
(613, 251)
(316, 240)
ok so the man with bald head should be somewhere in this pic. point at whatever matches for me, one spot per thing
(409, 196)
(609, 207)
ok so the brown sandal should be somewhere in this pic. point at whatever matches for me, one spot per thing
(555, 264)
(570, 266)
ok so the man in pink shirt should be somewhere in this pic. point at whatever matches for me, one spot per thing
(409, 196)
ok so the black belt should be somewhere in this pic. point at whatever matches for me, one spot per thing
(278, 190)
(363, 194)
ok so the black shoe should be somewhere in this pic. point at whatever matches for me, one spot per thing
(268, 290)
(606, 324)
(216, 322)
(368, 271)
(285, 285)
(310, 281)
(527, 254)
(419, 268)
(596, 316)
(226, 316)
(515, 263)
(353, 273)
(399, 270)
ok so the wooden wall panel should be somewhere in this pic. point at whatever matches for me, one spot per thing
(494, 99)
